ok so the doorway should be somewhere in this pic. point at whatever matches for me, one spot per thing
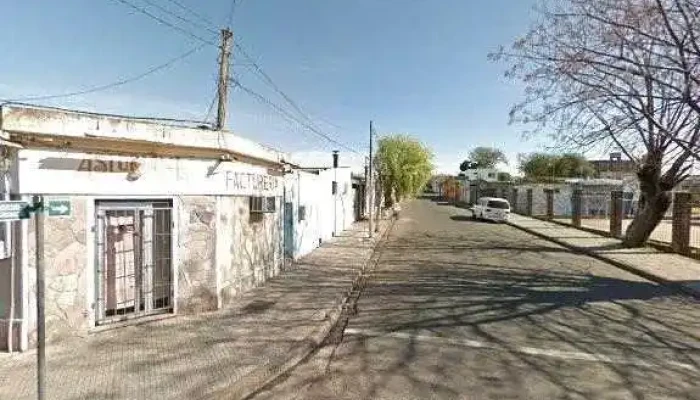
(134, 275)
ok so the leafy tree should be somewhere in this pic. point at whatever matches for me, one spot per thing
(486, 157)
(543, 166)
(537, 165)
(404, 166)
(504, 177)
(466, 165)
(573, 165)
(611, 74)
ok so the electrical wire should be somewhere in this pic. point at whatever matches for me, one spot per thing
(117, 83)
(194, 13)
(291, 117)
(211, 106)
(232, 11)
(164, 22)
(181, 18)
(268, 80)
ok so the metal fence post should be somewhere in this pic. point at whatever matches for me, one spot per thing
(550, 203)
(616, 213)
(576, 205)
(528, 212)
(682, 212)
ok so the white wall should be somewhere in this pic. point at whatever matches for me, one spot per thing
(482, 173)
(341, 204)
(54, 172)
(314, 191)
(304, 189)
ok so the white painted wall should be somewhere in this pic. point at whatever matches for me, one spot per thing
(341, 204)
(484, 174)
(314, 191)
(52, 172)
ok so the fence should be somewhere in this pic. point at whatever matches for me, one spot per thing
(610, 212)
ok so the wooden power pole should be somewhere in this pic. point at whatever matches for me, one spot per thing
(226, 39)
(369, 179)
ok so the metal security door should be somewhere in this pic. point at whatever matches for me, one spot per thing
(134, 264)
(289, 230)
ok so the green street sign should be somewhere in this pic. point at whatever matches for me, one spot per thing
(13, 210)
(58, 208)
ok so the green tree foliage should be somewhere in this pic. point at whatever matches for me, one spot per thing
(466, 164)
(404, 166)
(543, 166)
(505, 177)
(486, 157)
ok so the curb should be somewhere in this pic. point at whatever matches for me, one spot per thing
(258, 380)
(627, 267)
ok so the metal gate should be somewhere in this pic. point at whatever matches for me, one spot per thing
(289, 230)
(134, 259)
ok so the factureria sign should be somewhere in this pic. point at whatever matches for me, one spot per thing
(250, 182)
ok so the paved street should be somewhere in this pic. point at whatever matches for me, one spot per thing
(459, 309)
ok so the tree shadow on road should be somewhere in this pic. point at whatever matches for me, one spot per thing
(645, 336)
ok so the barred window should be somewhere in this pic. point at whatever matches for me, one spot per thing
(263, 205)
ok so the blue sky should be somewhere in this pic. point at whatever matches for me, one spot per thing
(412, 66)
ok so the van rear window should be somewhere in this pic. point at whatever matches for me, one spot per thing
(498, 204)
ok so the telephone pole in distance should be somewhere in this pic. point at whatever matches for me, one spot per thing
(226, 39)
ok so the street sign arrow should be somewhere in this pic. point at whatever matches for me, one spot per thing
(58, 208)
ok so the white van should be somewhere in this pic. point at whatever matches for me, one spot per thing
(491, 208)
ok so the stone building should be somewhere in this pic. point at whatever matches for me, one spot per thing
(143, 218)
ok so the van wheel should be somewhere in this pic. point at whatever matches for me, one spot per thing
(474, 215)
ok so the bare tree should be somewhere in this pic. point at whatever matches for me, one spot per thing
(616, 74)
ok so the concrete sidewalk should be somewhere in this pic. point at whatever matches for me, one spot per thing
(667, 268)
(225, 354)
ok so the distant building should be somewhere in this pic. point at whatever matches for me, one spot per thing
(614, 169)
(481, 174)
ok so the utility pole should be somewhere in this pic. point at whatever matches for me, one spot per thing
(38, 208)
(380, 195)
(335, 192)
(369, 180)
(226, 38)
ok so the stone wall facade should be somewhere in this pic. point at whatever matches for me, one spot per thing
(257, 245)
(197, 289)
(222, 250)
(65, 249)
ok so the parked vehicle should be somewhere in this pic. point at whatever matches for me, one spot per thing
(491, 208)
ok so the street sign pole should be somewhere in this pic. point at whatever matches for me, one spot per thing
(38, 208)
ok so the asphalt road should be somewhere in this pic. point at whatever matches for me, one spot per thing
(459, 309)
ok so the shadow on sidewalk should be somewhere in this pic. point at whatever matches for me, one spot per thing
(193, 356)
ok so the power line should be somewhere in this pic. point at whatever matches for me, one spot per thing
(232, 11)
(117, 83)
(181, 18)
(194, 13)
(268, 80)
(164, 22)
(290, 116)
(211, 106)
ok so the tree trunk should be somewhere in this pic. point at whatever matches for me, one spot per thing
(646, 220)
(654, 201)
